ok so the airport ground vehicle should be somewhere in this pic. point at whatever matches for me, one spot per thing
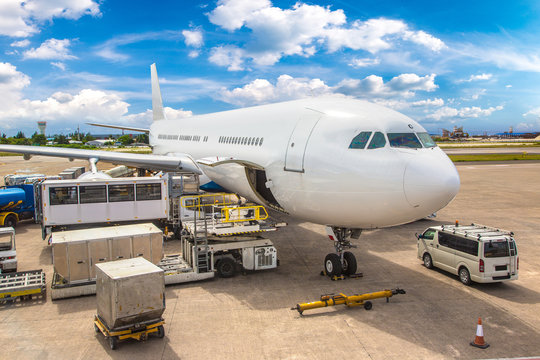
(16, 204)
(23, 284)
(130, 300)
(474, 252)
(8, 252)
(76, 203)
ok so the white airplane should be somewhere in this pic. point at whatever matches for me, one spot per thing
(341, 162)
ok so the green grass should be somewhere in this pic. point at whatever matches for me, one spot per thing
(9, 154)
(494, 157)
(486, 146)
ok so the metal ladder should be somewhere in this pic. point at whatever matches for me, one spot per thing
(200, 246)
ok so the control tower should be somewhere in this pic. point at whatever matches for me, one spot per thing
(41, 126)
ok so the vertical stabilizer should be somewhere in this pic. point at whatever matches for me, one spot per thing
(157, 102)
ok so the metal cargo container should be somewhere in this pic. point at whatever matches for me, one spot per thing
(76, 252)
(129, 292)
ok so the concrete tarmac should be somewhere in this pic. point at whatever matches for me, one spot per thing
(249, 316)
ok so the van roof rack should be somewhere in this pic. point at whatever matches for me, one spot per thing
(476, 231)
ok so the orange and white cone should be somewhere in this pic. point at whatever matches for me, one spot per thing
(479, 339)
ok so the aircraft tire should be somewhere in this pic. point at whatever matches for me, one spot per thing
(350, 266)
(332, 265)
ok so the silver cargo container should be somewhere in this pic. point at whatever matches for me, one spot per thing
(129, 292)
(76, 252)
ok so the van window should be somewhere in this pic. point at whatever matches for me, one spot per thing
(428, 234)
(447, 240)
(468, 246)
(494, 249)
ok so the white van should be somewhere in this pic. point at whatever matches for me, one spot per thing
(8, 254)
(474, 252)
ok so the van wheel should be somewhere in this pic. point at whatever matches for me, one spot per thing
(464, 276)
(10, 221)
(427, 261)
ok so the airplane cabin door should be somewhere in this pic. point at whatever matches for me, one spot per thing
(296, 148)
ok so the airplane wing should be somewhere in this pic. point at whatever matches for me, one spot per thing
(121, 127)
(176, 163)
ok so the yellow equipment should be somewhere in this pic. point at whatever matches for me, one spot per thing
(353, 300)
(137, 332)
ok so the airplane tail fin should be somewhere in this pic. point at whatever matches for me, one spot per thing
(157, 102)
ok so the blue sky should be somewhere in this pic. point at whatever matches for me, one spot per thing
(467, 63)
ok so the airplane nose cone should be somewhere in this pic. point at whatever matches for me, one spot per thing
(430, 183)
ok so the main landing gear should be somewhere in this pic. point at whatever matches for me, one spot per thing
(341, 262)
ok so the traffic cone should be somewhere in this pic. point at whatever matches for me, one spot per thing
(479, 339)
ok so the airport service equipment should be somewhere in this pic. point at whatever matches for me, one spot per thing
(16, 203)
(21, 285)
(475, 252)
(130, 298)
(8, 251)
(79, 203)
(76, 252)
(349, 301)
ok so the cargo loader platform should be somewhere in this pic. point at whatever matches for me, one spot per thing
(22, 285)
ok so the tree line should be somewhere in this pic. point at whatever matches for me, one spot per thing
(59, 139)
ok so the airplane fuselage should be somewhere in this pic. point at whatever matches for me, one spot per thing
(299, 156)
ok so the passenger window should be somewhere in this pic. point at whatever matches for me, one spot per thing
(407, 140)
(496, 249)
(377, 141)
(426, 140)
(63, 195)
(93, 194)
(468, 246)
(447, 240)
(148, 192)
(121, 193)
(260, 143)
(256, 141)
(360, 140)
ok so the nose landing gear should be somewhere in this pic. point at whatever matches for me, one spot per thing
(341, 262)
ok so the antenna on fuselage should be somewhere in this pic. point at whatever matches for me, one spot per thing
(157, 102)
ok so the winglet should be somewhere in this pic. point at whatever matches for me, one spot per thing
(157, 102)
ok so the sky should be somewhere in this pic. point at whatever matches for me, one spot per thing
(444, 63)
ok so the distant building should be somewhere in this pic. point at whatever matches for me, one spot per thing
(42, 125)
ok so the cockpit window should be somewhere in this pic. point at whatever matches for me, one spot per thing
(360, 140)
(408, 140)
(377, 141)
(426, 140)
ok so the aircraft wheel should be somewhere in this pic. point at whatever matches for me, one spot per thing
(332, 265)
(349, 263)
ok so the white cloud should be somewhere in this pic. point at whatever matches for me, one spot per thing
(22, 18)
(21, 43)
(425, 39)
(373, 86)
(303, 30)
(52, 49)
(12, 82)
(59, 65)
(363, 62)
(533, 112)
(465, 112)
(193, 38)
(428, 102)
(478, 77)
(230, 56)
(261, 91)
(109, 49)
